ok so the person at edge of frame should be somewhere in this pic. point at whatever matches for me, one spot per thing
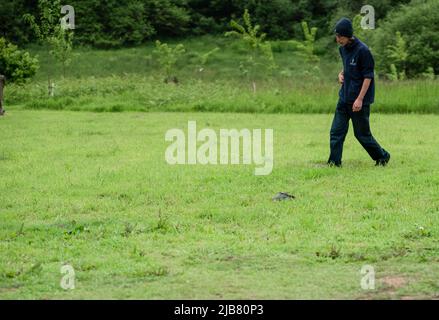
(356, 95)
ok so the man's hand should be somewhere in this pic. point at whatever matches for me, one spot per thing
(341, 77)
(358, 104)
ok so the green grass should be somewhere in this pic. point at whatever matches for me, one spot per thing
(142, 61)
(93, 190)
(137, 93)
(130, 80)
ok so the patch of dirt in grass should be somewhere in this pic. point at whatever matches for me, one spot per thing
(435, 297)
(10, 288)
(390, 286)
(393, 282)
(387, 288)
(409, 298)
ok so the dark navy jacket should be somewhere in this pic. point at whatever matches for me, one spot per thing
(358, 64)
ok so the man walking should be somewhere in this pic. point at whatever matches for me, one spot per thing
(355, 97)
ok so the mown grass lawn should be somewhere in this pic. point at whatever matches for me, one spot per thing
(93, 190)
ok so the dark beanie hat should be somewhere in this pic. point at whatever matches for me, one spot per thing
(344, 28)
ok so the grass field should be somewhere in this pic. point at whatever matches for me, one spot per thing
(93, 190)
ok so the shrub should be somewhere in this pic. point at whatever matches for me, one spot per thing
(15, 64)
(307, 47)
(259, 51)
(167, 57)
(417, 23)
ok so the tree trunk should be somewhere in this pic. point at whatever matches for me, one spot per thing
(50, 87)
(2, 84)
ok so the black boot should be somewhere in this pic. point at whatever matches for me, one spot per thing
(332, 163)
(383, 162)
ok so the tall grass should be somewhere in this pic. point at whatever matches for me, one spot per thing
(130, 80)
(137, 93)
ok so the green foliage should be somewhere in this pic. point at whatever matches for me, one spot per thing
(428, 74)
(203, 58)
(46, 23)
(149, 94)
(122, 80)
(127, 22)
(363, 34)
(168, 17)
(61, 43)
(398, 53)
(114, 23)
(16, 65)
(11, 26)
(351, 9)
(307, 47)
(418, 23)
(310, 35)
(274, 17)
(49, 31)
(395, 74)
(206, 56)
(247, 32)
(267, 53)
(259, 52)
(397, 56)
(167, 57)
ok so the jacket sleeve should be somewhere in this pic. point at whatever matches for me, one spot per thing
(367, 64)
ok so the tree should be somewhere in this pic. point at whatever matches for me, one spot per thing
(167, 58)
(16, 65)
(397, 55)
(62, 47)
(203, 58)
(51, 33)
(428, 74)
(418, 24)
(307, 47)
(259, 51)
(11, 26)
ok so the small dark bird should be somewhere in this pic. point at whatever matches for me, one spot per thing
(283, 196)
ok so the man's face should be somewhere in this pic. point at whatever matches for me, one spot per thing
(341, 40)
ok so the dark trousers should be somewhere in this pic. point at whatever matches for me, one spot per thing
(360, 122)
